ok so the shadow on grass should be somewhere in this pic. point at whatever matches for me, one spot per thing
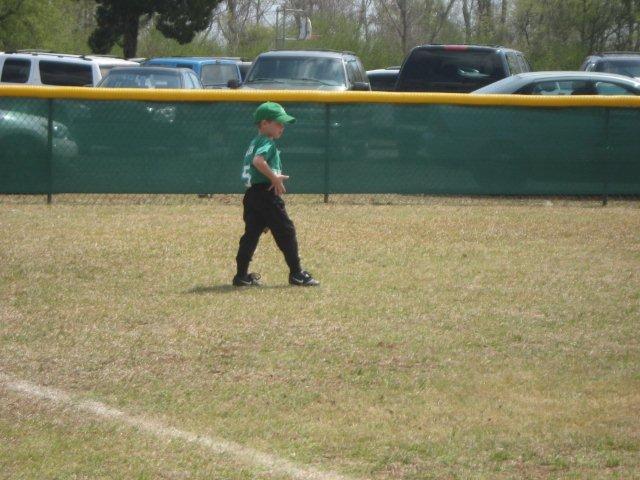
(201, 289)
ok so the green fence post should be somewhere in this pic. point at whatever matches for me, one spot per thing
(606, 157)
(50, 152)
(327, 149)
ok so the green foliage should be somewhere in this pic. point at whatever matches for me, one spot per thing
(255, 40)
(559, 34)
(152, 43)
(57, 25)
(341, 33)
(22, 23)
(119, 22)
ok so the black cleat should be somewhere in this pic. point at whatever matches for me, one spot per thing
(249, 280)
(303, 279)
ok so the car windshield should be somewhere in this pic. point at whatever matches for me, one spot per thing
(450, 70)
(105, 69)
(630, 68)
(298, 69)
(138, 79)
(218, 74)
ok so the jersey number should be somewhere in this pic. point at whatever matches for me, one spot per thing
(246, 175)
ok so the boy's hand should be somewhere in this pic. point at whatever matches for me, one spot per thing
(276, 179)
(277, 184)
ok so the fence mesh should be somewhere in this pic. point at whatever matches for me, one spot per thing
(136, 147)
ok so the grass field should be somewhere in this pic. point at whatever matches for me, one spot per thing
(451, 338)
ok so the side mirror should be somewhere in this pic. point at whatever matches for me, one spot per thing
(361, 86)
(233, 83)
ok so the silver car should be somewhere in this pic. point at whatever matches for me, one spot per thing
(151, 77)
(564, 83)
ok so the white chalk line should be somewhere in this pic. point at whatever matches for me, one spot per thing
(248, 456)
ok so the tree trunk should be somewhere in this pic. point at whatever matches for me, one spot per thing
(467, 21)
(130, 35)
(232, 25)
(503, 12)
(484, 19)
(363, 20)
(404, 22)
(442, 18)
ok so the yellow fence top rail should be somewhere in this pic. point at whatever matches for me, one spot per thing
(165, 95)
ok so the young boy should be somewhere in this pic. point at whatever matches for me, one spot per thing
(263, 206)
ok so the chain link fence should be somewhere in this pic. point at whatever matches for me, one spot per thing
(194, 150)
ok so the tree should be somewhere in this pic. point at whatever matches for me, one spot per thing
(16, 20)
(239, 21)
(119, 21)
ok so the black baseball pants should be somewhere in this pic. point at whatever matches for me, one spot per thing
(264, 209)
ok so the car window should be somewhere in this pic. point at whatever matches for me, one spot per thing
(450, 70)
(190, 66)
(244, 69)
(186, 78)
(524, 64)
(62, 73)
(564, 87)
(512, 61)
(138, 79)
(609, 88)
(104, 69)
(362, 73)
(161, 63)
(353, 72)
(164, 81)
(16, 70)
(323, 70)
(629, 68)
(195, 80)
(218, 74)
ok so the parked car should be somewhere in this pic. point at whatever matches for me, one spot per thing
(36, 68)
(244, 68)
(622, 63)
(307, 70)
(212, 72)
(513, 150)
(564, 83)
(151, 77)
(145, 127)
(22, 134)
(458, 68)
(383, 79)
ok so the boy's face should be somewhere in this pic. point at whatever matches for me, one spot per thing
(271, 128)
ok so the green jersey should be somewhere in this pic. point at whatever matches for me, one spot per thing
(265, 147)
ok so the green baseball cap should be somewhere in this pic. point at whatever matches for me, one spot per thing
(272, 111)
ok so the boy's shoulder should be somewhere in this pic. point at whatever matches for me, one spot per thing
(262, 144)
(262, 140)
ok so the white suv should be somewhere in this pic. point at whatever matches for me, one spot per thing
(56, 68)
